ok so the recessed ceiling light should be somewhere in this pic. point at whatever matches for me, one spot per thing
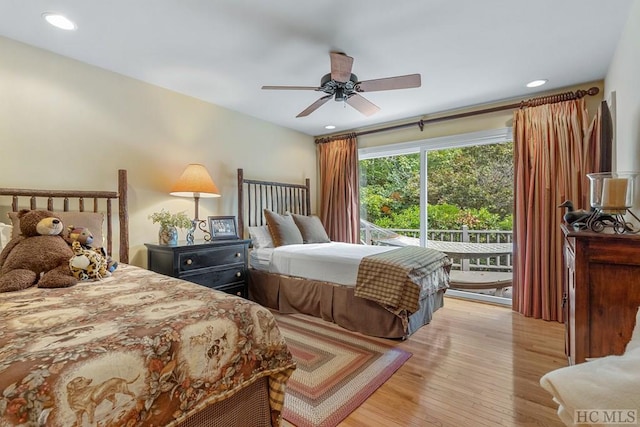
(59, 21)
(329, 127)
(537, 83)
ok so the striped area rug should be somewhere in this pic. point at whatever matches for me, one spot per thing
(336, 371)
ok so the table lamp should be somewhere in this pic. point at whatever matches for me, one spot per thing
(195, 182)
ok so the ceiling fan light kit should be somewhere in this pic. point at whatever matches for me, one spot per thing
(342, 85)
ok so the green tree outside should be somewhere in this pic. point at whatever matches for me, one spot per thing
(470, 186)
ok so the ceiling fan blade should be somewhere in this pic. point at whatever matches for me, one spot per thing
(291, 87)
(341, 65)
(363, 105)
(389, 83)
(313, 107)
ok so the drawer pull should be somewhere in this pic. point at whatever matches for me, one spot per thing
(189, 261)
(238, 254)
(238, 274)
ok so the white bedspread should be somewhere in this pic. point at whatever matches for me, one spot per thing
(332, 262)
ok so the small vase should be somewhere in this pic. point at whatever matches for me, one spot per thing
(168, 236)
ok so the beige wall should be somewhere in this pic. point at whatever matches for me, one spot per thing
(622, 79)
(68, 125)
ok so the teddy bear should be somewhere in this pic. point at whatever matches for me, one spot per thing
(87, 264)
(38, 256)
(84, 236)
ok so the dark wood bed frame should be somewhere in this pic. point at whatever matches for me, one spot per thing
(101, 200)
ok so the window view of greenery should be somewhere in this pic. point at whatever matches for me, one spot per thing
(470, 186)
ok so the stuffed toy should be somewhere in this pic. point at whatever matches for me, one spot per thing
(79, 234)
(87, 264)
(85, 238)
(38, 256)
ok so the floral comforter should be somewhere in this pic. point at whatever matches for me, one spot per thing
(137, 348)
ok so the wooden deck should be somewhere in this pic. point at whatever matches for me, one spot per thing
(470, 250)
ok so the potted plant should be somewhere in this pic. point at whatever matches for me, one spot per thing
(169, 223)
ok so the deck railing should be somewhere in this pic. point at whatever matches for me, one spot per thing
(494, 263)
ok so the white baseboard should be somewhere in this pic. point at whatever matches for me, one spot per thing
(479, 297)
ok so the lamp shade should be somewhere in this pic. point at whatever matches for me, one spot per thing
(195, 181)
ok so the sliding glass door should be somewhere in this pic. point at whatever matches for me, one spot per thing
(457, 189)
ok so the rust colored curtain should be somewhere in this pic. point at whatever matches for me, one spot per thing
(554, 148)
(339, 189)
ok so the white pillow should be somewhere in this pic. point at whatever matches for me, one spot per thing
(5, 234)
(261, 237)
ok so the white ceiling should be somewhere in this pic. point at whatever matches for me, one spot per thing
(468, 52)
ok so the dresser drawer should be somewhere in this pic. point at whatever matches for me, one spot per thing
(219, 277)
(194, 260)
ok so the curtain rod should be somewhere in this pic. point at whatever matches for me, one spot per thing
(533, 102)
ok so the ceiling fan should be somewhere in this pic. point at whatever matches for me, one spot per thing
(344, 86)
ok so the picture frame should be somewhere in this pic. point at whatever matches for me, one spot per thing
(223, 227)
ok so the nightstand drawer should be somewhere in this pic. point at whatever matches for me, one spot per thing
(216, 278)
(238, 289)
(193, 260)
(220, 265)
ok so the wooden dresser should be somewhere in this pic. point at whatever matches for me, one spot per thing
(601, 292)
(220, 265)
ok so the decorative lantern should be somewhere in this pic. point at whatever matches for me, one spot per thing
(611, 197)
(612, 192)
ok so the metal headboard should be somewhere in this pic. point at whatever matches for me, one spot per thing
(254, 196)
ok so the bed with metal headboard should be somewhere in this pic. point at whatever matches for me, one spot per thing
(134, 348)
(314, 284)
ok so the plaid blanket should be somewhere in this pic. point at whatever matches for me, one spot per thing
(397, 278)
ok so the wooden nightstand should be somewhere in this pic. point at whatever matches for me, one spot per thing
(220, 265)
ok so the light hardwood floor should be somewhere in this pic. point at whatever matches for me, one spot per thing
(474, 365)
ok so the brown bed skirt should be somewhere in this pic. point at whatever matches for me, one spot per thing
(337, 303)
